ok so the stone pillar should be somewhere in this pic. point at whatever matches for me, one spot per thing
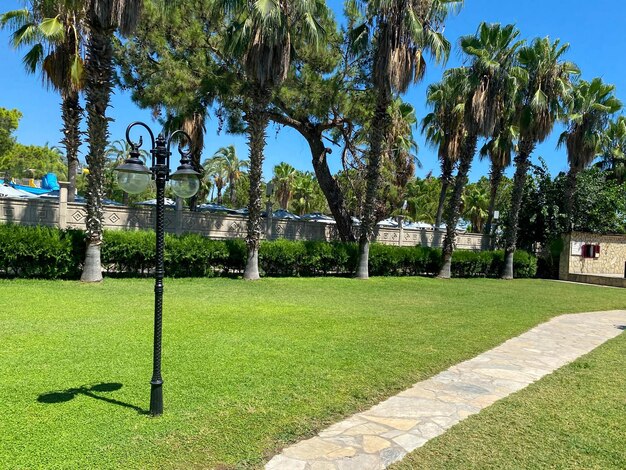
(269, 210)
(62, 219)
(400, 229)
(179, 216)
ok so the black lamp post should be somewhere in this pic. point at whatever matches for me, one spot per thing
(134, 177)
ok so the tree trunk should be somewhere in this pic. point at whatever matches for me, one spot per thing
(71, 114)
(454, 206)
(330, 187)
(495, 178)
(99, 73)
(522, 162)
(219, 195)
(570, 192)
(231, 189)
(380, 131)
(257, 120)
(446, 178)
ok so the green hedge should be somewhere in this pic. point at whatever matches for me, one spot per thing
(42, 252)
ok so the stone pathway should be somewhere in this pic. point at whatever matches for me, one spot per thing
(385, 433)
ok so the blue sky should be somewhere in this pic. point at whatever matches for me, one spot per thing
(595, 31)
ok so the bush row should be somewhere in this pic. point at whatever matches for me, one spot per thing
(43, 252)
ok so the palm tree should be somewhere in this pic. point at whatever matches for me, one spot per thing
(284, 177)
(589, 111)
(53, 32)
(539, 103)
(498, 149)
(215, 169)
(613, 146)
(475, 206)
(443, 129)
(487, 86)
(402, 31)
(193, 123)
(235, 168)
(305, 190)
(103, 18)
(261, 37)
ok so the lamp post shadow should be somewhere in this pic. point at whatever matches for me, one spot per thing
(62, 396)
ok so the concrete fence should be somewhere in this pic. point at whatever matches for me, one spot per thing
(63, 214)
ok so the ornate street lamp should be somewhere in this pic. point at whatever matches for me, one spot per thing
(134, 177)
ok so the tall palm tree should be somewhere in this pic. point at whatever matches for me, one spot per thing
(499, 150)
(589, 110)
(443, 129)
(539, 103)
(284, 178)
(613, 155)
(487, 86)
(261, 37)
(402, 32)
(53, 32)
(235, 168)
(103, 18)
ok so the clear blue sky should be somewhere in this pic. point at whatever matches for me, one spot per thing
(596, 31)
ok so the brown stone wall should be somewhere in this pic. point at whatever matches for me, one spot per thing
(71, 215)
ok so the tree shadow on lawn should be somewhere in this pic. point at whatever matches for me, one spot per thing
(61, 396)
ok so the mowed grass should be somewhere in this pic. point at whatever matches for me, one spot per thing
(248, 367)
(572, 419)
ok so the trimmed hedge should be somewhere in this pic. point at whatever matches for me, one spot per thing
(49, 253)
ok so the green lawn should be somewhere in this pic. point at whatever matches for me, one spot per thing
(248, 367)
(574, 419)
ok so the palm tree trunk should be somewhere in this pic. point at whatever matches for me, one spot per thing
(219, 195)
(99, 73)
(446, 178)
(380, 130)
(71, 113)
(231, 189)
(497, 173)
(569, 197)
(522, 163)
(257, 121)
(454, 206)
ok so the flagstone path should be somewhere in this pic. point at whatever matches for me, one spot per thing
(384, 434)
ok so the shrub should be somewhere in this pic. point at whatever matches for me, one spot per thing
(40, 252)
(44, 252)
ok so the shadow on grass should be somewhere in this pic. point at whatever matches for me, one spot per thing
(62, 396)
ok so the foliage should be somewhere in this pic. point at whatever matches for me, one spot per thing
(613, 149)
(33, 161)
(599, 206)
(9, 121)
(132, 253)
(40, 252)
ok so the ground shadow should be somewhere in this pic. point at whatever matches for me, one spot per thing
(61, 396)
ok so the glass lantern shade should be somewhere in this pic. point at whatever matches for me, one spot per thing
(185, 181)
(185, 186)
(133, 183)
(133, 176)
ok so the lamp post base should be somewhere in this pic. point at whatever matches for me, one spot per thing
(156, 398)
